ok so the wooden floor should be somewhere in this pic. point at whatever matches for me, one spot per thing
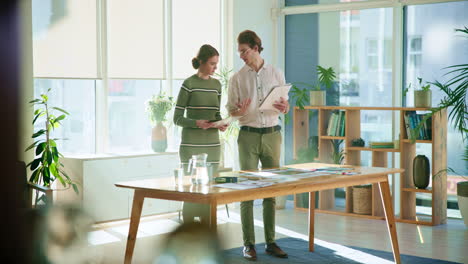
(447, 242)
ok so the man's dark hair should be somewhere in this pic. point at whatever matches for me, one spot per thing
(250, 38)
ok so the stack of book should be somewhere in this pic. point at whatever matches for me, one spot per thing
(336, 124)
(381, 144)
(412, 121)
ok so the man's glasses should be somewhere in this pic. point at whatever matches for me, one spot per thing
(243, 52)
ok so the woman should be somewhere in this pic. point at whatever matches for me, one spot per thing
(199, 98)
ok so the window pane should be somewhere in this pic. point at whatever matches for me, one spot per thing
(194, 23)
(129, 124)
(432, 45)
(361, 57)
(314, 2)
(136, 38)
(77, 97)
(64, 38)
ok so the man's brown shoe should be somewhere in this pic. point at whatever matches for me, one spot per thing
(274, 250)
(249, 252)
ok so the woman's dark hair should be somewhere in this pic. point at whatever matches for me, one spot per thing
(250, 38)
(206, 51)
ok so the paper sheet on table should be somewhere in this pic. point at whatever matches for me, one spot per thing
(244, 185)
(274, 95)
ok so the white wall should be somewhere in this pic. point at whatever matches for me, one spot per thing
(254, 15)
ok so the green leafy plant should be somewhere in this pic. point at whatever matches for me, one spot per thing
(326, 77)
(46, 166)
(307, 154)
(422, 87)
(455, 93)
(338, 153)
(233, 129)
(158, 107)
(426, 87)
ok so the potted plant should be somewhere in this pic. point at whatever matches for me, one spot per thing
(317, 95)
(157, 108)
(423, 96)
(46, 166)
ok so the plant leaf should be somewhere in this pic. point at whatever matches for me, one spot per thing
(34, 176)
(61, 110)
(61, 117)
(55, 154)
(45, 98)
(75, 188)
(38, 133)
(32, 145)
(35, 163)
(36, 117)
(35, 101)
(46, 176)
(40, 148)
(49, 157)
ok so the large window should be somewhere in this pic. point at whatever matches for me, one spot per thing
(358, 45)
(65, 41)
(194, 23)
(135, 38)
(77, 97)
(129, 126)
(104, 59)
(432, 45)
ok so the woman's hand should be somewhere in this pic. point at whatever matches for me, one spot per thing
(204, 124)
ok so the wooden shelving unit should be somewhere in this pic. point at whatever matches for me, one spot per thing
(407, 151)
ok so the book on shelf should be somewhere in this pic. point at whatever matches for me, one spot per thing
(412, 121)
(381, 144)
(336, 124)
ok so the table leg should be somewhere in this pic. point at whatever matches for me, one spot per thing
(213, 211)
(390, 218)
(137, 206)
(311, 220)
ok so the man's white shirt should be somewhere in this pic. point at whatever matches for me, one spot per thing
(247, 83)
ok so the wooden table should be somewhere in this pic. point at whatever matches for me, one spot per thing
(214, 196)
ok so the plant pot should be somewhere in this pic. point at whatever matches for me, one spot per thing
(422, 98)
(421, 172)
(159, 138)
(462, 194)
(318, 98)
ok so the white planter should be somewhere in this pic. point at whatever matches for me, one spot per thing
(422, 98)
(318, 98)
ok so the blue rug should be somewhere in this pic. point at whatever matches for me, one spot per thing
(298, 251)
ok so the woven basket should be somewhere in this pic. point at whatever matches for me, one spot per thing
(362, 199)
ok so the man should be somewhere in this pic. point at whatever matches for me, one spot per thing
(260, 137)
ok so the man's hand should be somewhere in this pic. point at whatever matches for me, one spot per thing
(223, 127)
(282, 105)
(204, 124)
(242, 107)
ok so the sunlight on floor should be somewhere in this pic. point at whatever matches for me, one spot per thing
(162, 226)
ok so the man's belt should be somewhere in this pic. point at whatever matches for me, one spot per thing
(261, 130)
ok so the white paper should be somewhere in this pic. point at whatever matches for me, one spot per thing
(244, 185)
(274, 95)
